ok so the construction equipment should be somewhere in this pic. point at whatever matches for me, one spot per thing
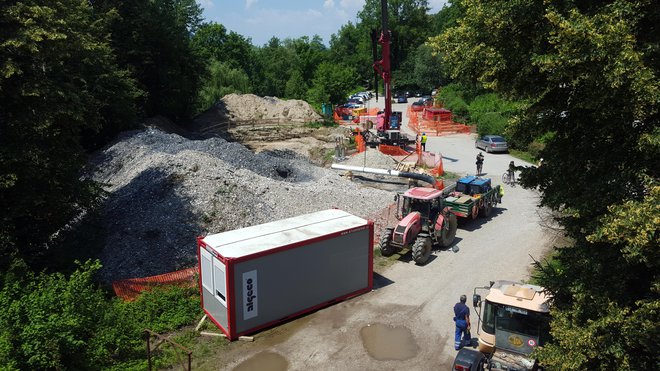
(473, 196)
(424, 219)
(388, 125)
(513, 320)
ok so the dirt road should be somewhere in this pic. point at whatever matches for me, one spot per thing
(406, 322)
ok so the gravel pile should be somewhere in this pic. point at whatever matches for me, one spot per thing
(371, 158)
(165, 190)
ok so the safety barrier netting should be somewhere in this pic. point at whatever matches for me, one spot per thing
(435, 122)
(129, 289)
(392, 150)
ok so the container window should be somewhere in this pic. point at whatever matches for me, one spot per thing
(219, 281)
(206, 267)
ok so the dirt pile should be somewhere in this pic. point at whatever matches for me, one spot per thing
(165, 190)
(252, 107)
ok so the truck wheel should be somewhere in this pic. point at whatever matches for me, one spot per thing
(448, 232)
(384, 244)
(421, 250)
(486, 210)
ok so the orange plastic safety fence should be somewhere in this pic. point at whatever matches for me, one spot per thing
(392, 150)
(129, 289)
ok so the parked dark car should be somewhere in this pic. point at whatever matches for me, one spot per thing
(402, 99)
(418, 106)
(427, 101)
(492, 143)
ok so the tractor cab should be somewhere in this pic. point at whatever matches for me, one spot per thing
(426, 201)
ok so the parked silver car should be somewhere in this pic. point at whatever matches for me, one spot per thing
(492, 143)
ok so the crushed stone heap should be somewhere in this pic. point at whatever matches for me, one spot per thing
(165, 190)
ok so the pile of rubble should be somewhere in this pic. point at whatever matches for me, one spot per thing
(165, 190)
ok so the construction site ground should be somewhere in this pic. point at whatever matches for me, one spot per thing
(406, 321)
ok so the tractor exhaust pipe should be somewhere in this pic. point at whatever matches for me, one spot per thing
(402, 174)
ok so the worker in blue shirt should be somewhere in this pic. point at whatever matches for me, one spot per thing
(462, 319)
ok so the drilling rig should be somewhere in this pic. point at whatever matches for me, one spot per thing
(388, 124)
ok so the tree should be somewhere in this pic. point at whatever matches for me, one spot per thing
(152, 38)
(409, 24)
(331, 83)
(310, 54)
(222, 80)
(351, 46)
(274, 61)
(296, 87)
(59, 82)
(421, 70)
(590, 73)
(214, 43)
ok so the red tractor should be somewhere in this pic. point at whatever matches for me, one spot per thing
(424, 220)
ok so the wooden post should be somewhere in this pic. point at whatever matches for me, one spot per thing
(148, 350)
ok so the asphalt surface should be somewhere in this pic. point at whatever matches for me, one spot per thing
(406, 321)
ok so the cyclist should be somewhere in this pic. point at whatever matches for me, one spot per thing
(512, 172)
(480, 163)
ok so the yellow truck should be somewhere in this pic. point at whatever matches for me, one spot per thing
(513, 320)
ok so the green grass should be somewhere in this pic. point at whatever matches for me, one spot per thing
(448, 175)
(525, 156)
(320, 124)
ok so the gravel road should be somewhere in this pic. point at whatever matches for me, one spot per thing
(406, 322)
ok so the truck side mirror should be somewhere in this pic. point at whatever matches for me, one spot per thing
(476, 300)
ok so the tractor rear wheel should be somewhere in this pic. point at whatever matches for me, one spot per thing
(421, 250)
(385, 242)
(448, 232)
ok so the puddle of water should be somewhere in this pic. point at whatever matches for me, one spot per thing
(264, 361)
(384, 342)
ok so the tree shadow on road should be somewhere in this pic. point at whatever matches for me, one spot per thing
(470, 225)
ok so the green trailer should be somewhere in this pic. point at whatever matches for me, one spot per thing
(473, 196)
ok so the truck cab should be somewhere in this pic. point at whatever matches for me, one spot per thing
(513, 320)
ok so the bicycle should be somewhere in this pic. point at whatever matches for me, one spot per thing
(509, 177)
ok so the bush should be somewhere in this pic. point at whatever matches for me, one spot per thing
(451, 97)
(50, 321)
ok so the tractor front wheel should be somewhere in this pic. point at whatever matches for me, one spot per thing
(448, 232)
(385, 243)
(421, 250)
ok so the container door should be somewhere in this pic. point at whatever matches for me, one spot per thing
(207, 269)
(219, 282)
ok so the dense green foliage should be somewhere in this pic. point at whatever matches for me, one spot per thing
(589, 71)
(487, 110)
(59, 84)
(222, 79)
(50, 321)
(152, 38)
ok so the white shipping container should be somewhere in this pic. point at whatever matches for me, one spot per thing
(255, 277)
